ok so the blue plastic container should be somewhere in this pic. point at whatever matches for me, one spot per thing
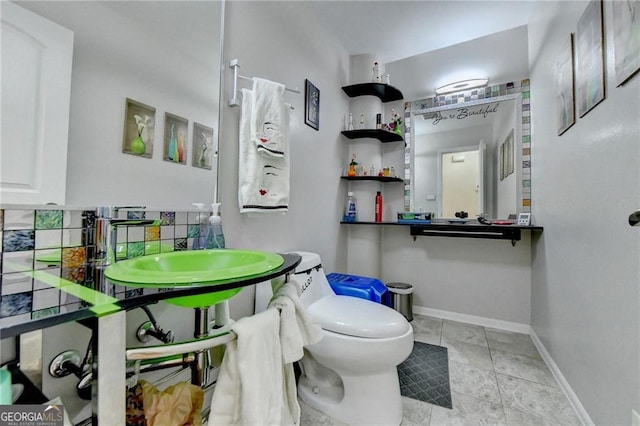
(358, 286)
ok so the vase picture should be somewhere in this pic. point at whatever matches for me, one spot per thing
(202, 146)
(175, 133)
(138, 146)
(138, 129)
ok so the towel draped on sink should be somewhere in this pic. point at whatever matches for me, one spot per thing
(256, 384)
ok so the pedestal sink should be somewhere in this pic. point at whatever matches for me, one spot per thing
(195, 268)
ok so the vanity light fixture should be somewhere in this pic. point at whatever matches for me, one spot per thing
(462, 85)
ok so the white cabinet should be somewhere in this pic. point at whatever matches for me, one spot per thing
(36, 88)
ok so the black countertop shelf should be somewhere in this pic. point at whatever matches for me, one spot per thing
(467, 230)
(374, 178)
(126, 298)
(386, 92)
(381, 135)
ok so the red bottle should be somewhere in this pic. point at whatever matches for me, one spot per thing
(378, 207)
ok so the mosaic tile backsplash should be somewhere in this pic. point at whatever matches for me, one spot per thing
(56, 241)
(494, 91)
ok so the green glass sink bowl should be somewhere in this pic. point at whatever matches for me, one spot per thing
(193, 268)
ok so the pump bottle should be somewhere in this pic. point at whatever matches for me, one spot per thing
(215, 236)
(199, 242)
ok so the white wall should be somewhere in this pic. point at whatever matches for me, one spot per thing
(586, 275)
(488, 279)
(501, 56)
(282, 41)
(137, 50)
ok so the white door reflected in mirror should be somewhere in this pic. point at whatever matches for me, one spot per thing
(461, 186)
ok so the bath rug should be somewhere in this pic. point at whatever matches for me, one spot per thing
(425, 375)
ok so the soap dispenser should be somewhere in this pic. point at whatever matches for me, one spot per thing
(215, 236)
(200, 242)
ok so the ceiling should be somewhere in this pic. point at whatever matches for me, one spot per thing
(395, 30)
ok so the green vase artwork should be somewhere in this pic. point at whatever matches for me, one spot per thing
(138, 146)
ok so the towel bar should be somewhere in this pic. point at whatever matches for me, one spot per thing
(234, 102)
(150, 352)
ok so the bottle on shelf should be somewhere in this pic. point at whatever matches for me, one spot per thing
(350, 214)
(379, 207)
(376, 73)
(350, 122)
(352, 166)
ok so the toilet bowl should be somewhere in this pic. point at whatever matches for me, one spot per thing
(351, 373)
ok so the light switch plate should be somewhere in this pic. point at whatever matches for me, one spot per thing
(635, 418)
(524, 219)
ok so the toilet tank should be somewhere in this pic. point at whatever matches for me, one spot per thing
(308, 276)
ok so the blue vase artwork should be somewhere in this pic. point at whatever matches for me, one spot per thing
(172, 154)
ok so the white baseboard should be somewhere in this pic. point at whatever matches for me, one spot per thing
(564, 385)
(472, 319)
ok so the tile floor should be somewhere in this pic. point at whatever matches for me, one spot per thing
(497, 378)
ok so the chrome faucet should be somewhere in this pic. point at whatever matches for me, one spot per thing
(106, 238)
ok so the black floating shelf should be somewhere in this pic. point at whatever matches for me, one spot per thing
(385, 92)
(381, 135)
(376, 178)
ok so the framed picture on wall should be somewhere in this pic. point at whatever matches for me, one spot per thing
(590, 58)
(139, 122)
(312, 105)
(202, 146)
(565, 90)
(626, 39)
(509, 154)
(175, 138)
(501, 161)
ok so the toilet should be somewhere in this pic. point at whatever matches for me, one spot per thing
(351, 373)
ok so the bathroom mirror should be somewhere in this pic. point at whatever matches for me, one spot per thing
(467, 157)
(162, 54)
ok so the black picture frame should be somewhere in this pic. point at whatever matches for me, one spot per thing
(312, 105)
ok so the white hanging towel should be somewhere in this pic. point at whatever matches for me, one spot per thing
(296, 331)
(268, 128)
(250, 387)
(263, 180)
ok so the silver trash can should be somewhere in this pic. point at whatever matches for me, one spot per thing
(402, 298)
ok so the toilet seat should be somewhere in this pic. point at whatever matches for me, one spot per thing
(358, 317)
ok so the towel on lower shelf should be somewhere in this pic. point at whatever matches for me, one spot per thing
(250, 387)
(268, 128)
(263, 181)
